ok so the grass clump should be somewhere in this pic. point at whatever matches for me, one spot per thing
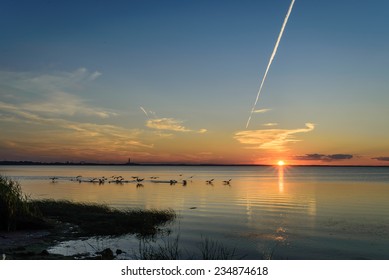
(169, 249)
(98, 219)
(16, 213)
(213, 250)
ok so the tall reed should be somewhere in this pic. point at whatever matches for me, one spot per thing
(15, 211)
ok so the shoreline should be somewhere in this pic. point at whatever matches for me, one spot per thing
(65, 221)
(33, 244)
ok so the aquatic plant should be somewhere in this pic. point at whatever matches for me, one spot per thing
(15, 210)
(213, 250)
(169, 249)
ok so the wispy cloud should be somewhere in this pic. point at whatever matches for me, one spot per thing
(270, 124)
(71, 146)
(170, 124)
(31, 82)
(323, 157)
(51, 94)
(46, 115)
(116, 133)
(94, 75)
(259, 111)
(66, 104)
(64, 139)
(270, 138)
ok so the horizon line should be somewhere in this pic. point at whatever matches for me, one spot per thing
(27, 162)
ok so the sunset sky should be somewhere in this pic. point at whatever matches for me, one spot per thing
(175, 81)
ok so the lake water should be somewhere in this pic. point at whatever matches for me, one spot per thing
(265, 212)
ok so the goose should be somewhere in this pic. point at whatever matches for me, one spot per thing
(102, 180)
(227, 182)
(209, 182)
(53, 179)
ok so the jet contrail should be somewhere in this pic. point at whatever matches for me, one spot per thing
(144, 111)
(271, 59)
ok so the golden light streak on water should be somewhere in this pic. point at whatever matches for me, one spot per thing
(281, 178)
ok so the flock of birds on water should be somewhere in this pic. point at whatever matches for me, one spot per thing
(135, 179)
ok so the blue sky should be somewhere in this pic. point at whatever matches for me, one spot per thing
(83, 69)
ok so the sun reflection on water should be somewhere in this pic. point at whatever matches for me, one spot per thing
(281, 178)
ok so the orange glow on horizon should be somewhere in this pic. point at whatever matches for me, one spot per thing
(281, 163)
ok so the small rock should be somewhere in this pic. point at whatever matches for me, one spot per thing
(118, 252)
(106, 254)
(44, 253)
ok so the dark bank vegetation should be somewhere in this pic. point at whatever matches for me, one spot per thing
(98, 219)
(18, 212)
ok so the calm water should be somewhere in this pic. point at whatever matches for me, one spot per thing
(282, 213)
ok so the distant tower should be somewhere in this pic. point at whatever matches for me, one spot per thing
(129, 161)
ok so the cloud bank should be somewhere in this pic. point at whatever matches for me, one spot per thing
(323, 157)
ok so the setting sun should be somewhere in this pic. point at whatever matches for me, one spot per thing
(281, 163)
